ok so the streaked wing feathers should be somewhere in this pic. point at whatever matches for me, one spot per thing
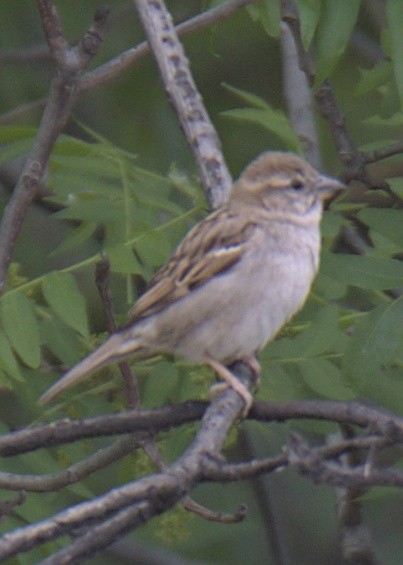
(210, 248)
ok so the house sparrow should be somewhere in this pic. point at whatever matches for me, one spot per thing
(236, 278)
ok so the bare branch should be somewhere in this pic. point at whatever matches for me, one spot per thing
(186, 100)
(18, 112)
(221, 517)
(355, 538)
(162, 419)
(108, 71)
(74, 473)
(29, 54)
(353, 159)
(383, 152)
(67, 431)
(71, 63)
(298, 99)
(126, 507)
(102, 283)
(310, 462)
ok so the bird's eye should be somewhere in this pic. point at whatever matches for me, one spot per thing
(297, 184)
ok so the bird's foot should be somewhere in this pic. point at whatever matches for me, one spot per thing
(230, 380)
(254, 364)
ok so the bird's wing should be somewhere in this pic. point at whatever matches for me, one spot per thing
(213, 246)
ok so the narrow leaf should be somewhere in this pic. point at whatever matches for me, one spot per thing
(123, 260)
(274, 121)
(64, 297)
(21, 328)
(394, 19)
(75, 238)
(337, 23)
(268, 14)
(7, 360)
(247, 97)
(309, 14)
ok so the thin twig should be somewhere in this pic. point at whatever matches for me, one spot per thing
(74, 473)
(354, 160)
(102, 282)
(221, 517)
(110, 70)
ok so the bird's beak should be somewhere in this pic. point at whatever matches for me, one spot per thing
(327, 187)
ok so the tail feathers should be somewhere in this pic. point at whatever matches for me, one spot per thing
(114, 349)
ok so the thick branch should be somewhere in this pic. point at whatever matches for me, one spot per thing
(186, 100)
(129, 506)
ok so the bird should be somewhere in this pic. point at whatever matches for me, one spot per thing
(236, 278)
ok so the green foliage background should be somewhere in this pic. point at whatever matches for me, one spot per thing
(123, 181)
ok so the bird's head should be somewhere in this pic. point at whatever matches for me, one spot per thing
(284, 181)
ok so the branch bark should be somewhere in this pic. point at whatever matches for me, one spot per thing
(70, 65)
(186, 99)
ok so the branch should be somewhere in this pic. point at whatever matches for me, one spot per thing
(67, 431)
(129, 506)
(354, 160)
(163, 419)
(130, 385)
(110, 70)
(310, 462)
(298, 98)
(70, 64)
(186, 100)
(50, 482)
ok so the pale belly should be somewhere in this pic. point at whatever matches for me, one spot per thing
(227, 320)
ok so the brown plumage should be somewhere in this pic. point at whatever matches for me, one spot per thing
(234, 280)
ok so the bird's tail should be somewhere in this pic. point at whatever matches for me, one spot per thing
(116, 348)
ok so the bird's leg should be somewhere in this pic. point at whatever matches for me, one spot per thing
(254, 364)
(230, 380)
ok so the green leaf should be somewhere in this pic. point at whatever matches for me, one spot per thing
(153, 249)
(277, 384)
(274, 121)
(396, 185)
(75, 238)
(123, 260)
(393, 121)
(247, 97)
(375, 343)
(92, 207)
(21, 328)
(61, 340)
(64, 297)
(161, 384)
(394, 19)
(15, 149)
(267, 12)
(7, 360)
(325, 378)
(309, 14)
(373, 78)
(336, 25)
(386, 221)
(371, 273)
